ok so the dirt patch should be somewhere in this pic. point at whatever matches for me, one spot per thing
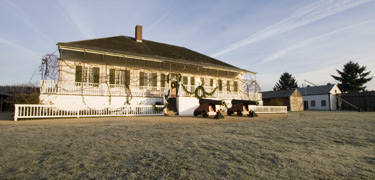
(299, 145)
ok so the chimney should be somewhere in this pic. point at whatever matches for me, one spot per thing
(138, 33)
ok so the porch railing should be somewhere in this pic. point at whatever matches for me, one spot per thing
(269, 109)
(49, 111)
(95, 89)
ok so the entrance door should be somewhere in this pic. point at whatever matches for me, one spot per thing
(173, 90)
(306, 105)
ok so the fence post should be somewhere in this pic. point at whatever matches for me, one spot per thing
(77, 113)
(15, 112)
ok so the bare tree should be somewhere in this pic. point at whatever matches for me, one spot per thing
(49, 67)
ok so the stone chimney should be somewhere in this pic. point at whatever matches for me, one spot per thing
(138, 33)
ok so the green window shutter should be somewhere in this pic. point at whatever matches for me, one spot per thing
(154, 79)
(96, 74)
(235, 86)
(112, 74)
(228, 85)
(127, 77)
(78, 73)
(141, 78)
(220, 85)
(185, 80)
(162, 80)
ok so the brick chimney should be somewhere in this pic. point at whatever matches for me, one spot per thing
(138, 33)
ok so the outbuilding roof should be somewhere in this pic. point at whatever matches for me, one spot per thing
(150, 49)
(285, 93)
(316, 90)
(4, 93)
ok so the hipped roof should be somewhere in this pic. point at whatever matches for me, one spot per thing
(285, 93)
(150, 49)
(316, 90)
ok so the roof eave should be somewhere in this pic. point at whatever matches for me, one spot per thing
(140, 57)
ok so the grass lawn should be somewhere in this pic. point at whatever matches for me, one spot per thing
(300, 145)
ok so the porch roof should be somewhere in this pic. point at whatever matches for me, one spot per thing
(124, 45)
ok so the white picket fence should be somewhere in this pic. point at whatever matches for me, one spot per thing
(269, 109)
(49, 111)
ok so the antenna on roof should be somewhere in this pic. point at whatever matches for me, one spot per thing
(338, 97)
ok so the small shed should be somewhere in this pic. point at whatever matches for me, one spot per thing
(3, 95)
(291, 98)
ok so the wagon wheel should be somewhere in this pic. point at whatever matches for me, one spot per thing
(239, 113)
(204, 113)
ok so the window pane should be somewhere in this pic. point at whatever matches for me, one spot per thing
(96, 74)
(192, 80)
(202, 81)
(228, 85)
(211, 82)
(78, 73)
(220, 85)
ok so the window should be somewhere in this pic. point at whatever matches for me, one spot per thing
(324, 103)
(211, 82)
(162, 80)
(312, 103)
(220, 83)
(119, 77)
(87, 74)
(148, 79)
(228, 85)
(235, 86)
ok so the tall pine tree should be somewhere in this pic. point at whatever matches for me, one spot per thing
(352, 77)
(287, 81)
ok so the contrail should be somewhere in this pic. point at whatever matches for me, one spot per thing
(78, 17)
(305, 43)
(306, 15)
(160, 19)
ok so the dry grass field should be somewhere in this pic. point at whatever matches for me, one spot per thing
(300, 145)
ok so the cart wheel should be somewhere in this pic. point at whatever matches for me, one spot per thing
(239, 113)
(204, 113)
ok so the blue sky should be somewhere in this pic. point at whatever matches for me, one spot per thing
(309, 39)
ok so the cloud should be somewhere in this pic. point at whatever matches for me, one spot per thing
(307, 42)
(305, 15)
(79, 18)
(157, 21)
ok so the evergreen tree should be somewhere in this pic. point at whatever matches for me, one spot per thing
(287, 81)
(352, 77)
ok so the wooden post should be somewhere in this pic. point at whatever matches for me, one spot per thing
(1, 104)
